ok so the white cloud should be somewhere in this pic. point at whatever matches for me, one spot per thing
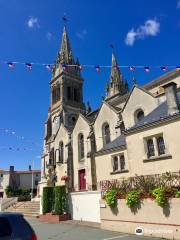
(150, 28)
(49, 35)
(33, 22)
(82, 34)
(178, 4)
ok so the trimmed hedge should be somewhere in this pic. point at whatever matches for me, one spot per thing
(48, 199)
(55, 200)
(60, 203)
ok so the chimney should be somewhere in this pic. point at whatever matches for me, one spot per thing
(171, 98)
(11, 168)
(30, 168)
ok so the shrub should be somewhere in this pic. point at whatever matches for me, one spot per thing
(160, 196)
(47, 199)
(177, 193)
(111, 198)
(133, 198)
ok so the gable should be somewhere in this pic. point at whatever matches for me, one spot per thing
(138, 99)
(82, 125)
(62, 135)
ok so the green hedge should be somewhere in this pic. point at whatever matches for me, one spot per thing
(48, 199)
(55, 200)
(60, 203)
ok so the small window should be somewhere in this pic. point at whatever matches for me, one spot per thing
(139, 115)
(1, 175)
(115, 163)
(160, 145)
(81, 146)
(36, 182)
(5, 228)
(106, 134)
(61, 152)
(122, 162)
(150, 148)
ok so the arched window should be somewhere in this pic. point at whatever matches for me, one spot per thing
(139, 115)
(58, 92)
(61, 152)
(115, 163)
(161, 145)
(81, 146)
(53, 95)
(106, 134)
(122, 162)
(150, 148)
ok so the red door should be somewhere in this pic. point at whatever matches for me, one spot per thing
(82, 179)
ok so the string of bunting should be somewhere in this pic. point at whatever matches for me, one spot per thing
(17, 149)
(13, 133)
(98, 68)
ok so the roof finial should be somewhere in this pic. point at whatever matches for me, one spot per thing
(64, 18)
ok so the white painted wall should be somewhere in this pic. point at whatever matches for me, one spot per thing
(84, 206)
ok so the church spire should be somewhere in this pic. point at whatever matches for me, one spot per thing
(117, 84)
(65, 55)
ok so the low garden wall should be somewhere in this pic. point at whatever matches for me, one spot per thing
(152, 219)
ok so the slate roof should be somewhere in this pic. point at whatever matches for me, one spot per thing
(159, 113)
(92, 115)
(117, 143)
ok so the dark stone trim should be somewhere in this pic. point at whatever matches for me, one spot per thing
(148, 125)
(114, 149)
(120, 171)
(158, 158)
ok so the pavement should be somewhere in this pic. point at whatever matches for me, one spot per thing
(76, 231)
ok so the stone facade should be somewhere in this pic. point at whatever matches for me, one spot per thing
(133, 132)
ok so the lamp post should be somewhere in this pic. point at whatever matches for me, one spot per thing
(32, 183)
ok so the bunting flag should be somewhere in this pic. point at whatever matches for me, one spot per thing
(10, 65)
(132, 69)
(16, 148)
(81, 68)
(147, 69)
(116, 68)
(13, 133)
(48, 67)
(97, 68)
(178, 68)
(64, 66)
(164, 68)
(29, 66)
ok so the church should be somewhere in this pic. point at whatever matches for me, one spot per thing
(134, 131)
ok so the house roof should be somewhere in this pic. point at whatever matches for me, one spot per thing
(162, 79)
(158, 114)
(116, 144)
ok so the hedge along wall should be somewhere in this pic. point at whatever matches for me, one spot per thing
(60, 203)
(48, 199)
(55, 200)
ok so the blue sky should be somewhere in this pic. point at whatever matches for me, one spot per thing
(143, 33)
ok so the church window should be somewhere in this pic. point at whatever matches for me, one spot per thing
(160, 145)
(51, 157)
(139, 115)
(118, 162)
(106, 133)
(81, 146)
(150, 148)
(58, 92)
(49, 128)
(61, 152)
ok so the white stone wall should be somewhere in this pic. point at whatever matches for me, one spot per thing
(81, 127)
(138, 100)
(4, 181)
(108, 115)
(84, 206)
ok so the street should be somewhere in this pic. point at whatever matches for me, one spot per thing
(64, 231)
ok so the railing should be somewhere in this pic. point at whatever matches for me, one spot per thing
(7, 202)
(144, 182)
